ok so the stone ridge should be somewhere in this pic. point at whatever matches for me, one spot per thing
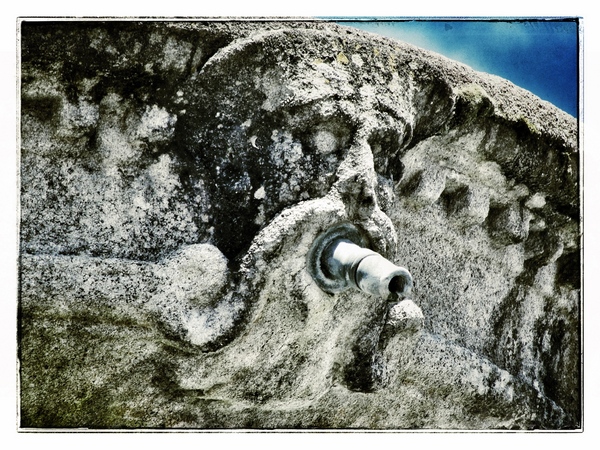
(174, 176)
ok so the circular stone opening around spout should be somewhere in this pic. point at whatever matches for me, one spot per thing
(339, 260)
(332, 278)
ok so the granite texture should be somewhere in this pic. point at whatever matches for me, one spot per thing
(174, 176)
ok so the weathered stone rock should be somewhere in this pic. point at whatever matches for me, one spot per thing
(175, 175)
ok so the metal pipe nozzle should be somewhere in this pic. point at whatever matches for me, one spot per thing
(339, 260)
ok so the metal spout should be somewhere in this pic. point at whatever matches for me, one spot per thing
(337, 262)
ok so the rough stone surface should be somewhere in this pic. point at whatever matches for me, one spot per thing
(174, 176)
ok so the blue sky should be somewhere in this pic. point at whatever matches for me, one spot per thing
(538, 55)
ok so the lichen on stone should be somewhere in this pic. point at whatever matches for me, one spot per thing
(174, 176)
